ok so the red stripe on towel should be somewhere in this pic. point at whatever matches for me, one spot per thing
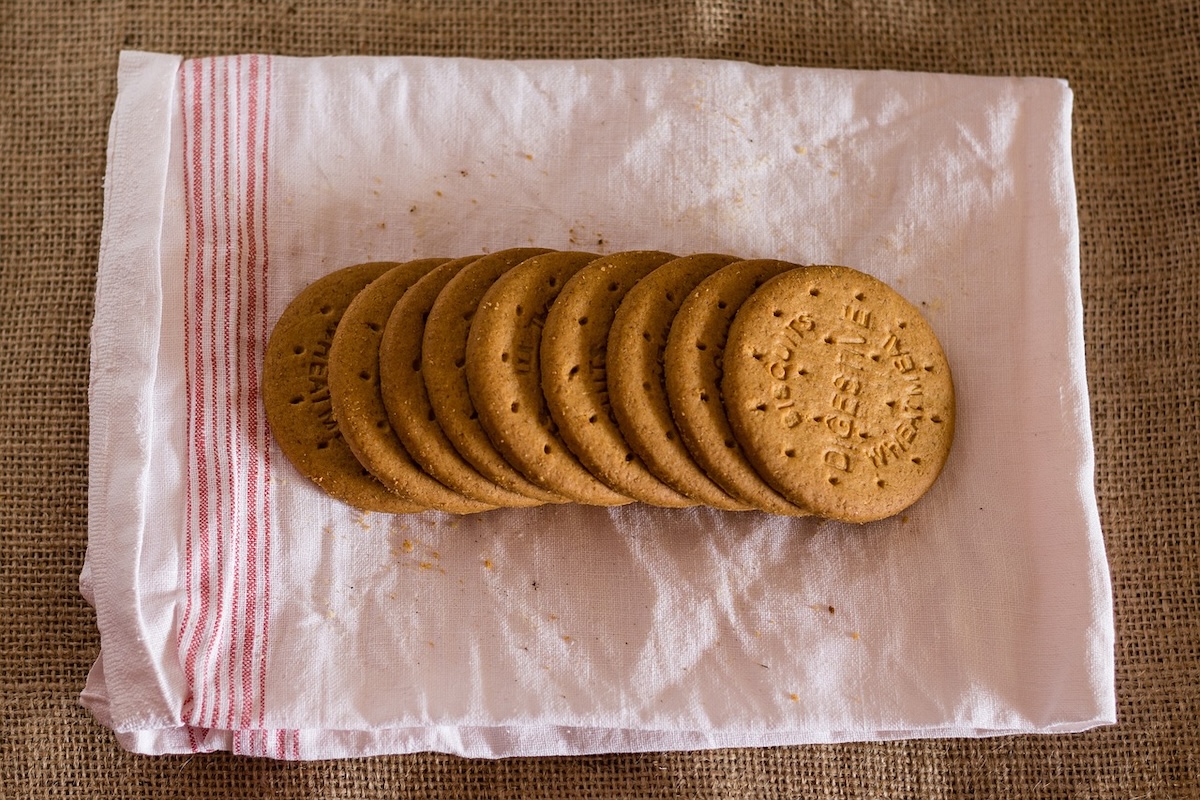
(266, 526)
(197, 417)
(217, 342)
(251, 622)
(189, 528)
(223, 637)
(232, 94)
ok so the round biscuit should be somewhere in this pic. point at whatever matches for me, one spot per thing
(637, 388)
(358, 405)
(504, 377)
(296, 399)
(574, 361)
(443, 365)
(839, 392)
(692, 367)
(402, 387)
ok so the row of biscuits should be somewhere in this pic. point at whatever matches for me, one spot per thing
(533, 376)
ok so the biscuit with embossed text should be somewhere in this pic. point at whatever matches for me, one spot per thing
(295, 392)
(636, 386)
(839, 392)
(443, 366)
(402, 387)
(692, 365)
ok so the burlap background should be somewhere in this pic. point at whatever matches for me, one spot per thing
(1135, 68)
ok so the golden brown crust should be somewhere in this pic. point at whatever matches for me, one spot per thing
(443, 365)
(637, 387)
(407, 402)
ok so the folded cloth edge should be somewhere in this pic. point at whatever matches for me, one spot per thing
(125, 332)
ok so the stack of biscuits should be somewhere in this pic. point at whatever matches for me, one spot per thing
(532, 376)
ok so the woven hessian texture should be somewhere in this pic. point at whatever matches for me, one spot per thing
(1135, 69)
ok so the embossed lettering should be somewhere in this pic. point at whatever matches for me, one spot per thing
(523, 358)
(318, 380)
(526, 351)
(801, 325)
(323, 407)
(883, 452)
(852, 359)
(911, 404)
(838, 460)
(845, 406)
(321, 351)
(598, 374)
(847, 384)
(783, 346)
(597, 363)
(843, 427)
(858, 315)
(891, 345)
(844, 402)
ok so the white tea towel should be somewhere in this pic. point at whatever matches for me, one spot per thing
(241, 609)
